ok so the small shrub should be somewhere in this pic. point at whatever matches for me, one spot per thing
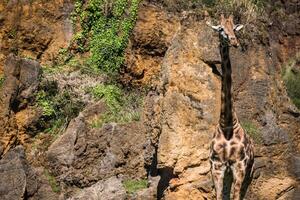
(105, 27)
(63, 57)
(12, 33)
(123, 108)
(58, 107)
(79, 39)
(52, 181)
(131, 116)
(77, 10)
(111, 94)
(291, 77)
(53, 69)
(74, 63)
(107, 117)
(2, 79)
(69, 64)
(97, 122)
(29, 57)
(132, 186)
(117, 117)
(252, 130)
(43, 100)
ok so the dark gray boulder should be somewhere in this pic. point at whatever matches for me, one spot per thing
(110, 189)
(84, 155)
(17, 179)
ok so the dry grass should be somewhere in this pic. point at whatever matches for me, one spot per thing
(246, 9)
(250, 13)
(1, 80)
(132, 186)
(252, 130)
(291, 77)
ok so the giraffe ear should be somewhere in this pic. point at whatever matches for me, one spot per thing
(216, 28)
(238, 27)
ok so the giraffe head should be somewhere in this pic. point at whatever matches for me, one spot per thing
(227, 30)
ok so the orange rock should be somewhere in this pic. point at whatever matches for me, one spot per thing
(35, 29)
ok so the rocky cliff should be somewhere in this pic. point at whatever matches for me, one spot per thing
(163, 154)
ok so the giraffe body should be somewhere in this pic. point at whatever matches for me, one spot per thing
(235, 154)
(231, 148)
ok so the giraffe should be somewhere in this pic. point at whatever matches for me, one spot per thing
(231, 148)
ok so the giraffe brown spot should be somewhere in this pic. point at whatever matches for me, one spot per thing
(237, 186)
(242, 153)
(217, 166)
(214, 156)
(233, 143)
(238, 137)
(232, 151)
(241, 174)
(223, 155)
(231, 162)
(222, 145)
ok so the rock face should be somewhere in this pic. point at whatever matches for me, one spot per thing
(21, 81)
(151, 38)
(150, 192)
(189, 89)
(20, 181)
(178, 56)
(35, 29)
(82, 155)
(187, 110)
(17, 179)
(110, 189)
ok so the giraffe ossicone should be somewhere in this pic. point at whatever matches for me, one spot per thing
(231, 148)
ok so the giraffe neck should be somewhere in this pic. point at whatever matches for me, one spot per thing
(227, 116)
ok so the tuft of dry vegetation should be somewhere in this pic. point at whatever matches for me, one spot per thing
(250, 9)
(1, 80)
(132, 186)
(52, 182)
(252, 130)
(123, 107)
(291, 77)
(246, 10)
(250, 13)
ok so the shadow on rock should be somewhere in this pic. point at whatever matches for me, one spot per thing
(166, 174)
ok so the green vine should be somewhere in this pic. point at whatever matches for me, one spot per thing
(105, 28)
